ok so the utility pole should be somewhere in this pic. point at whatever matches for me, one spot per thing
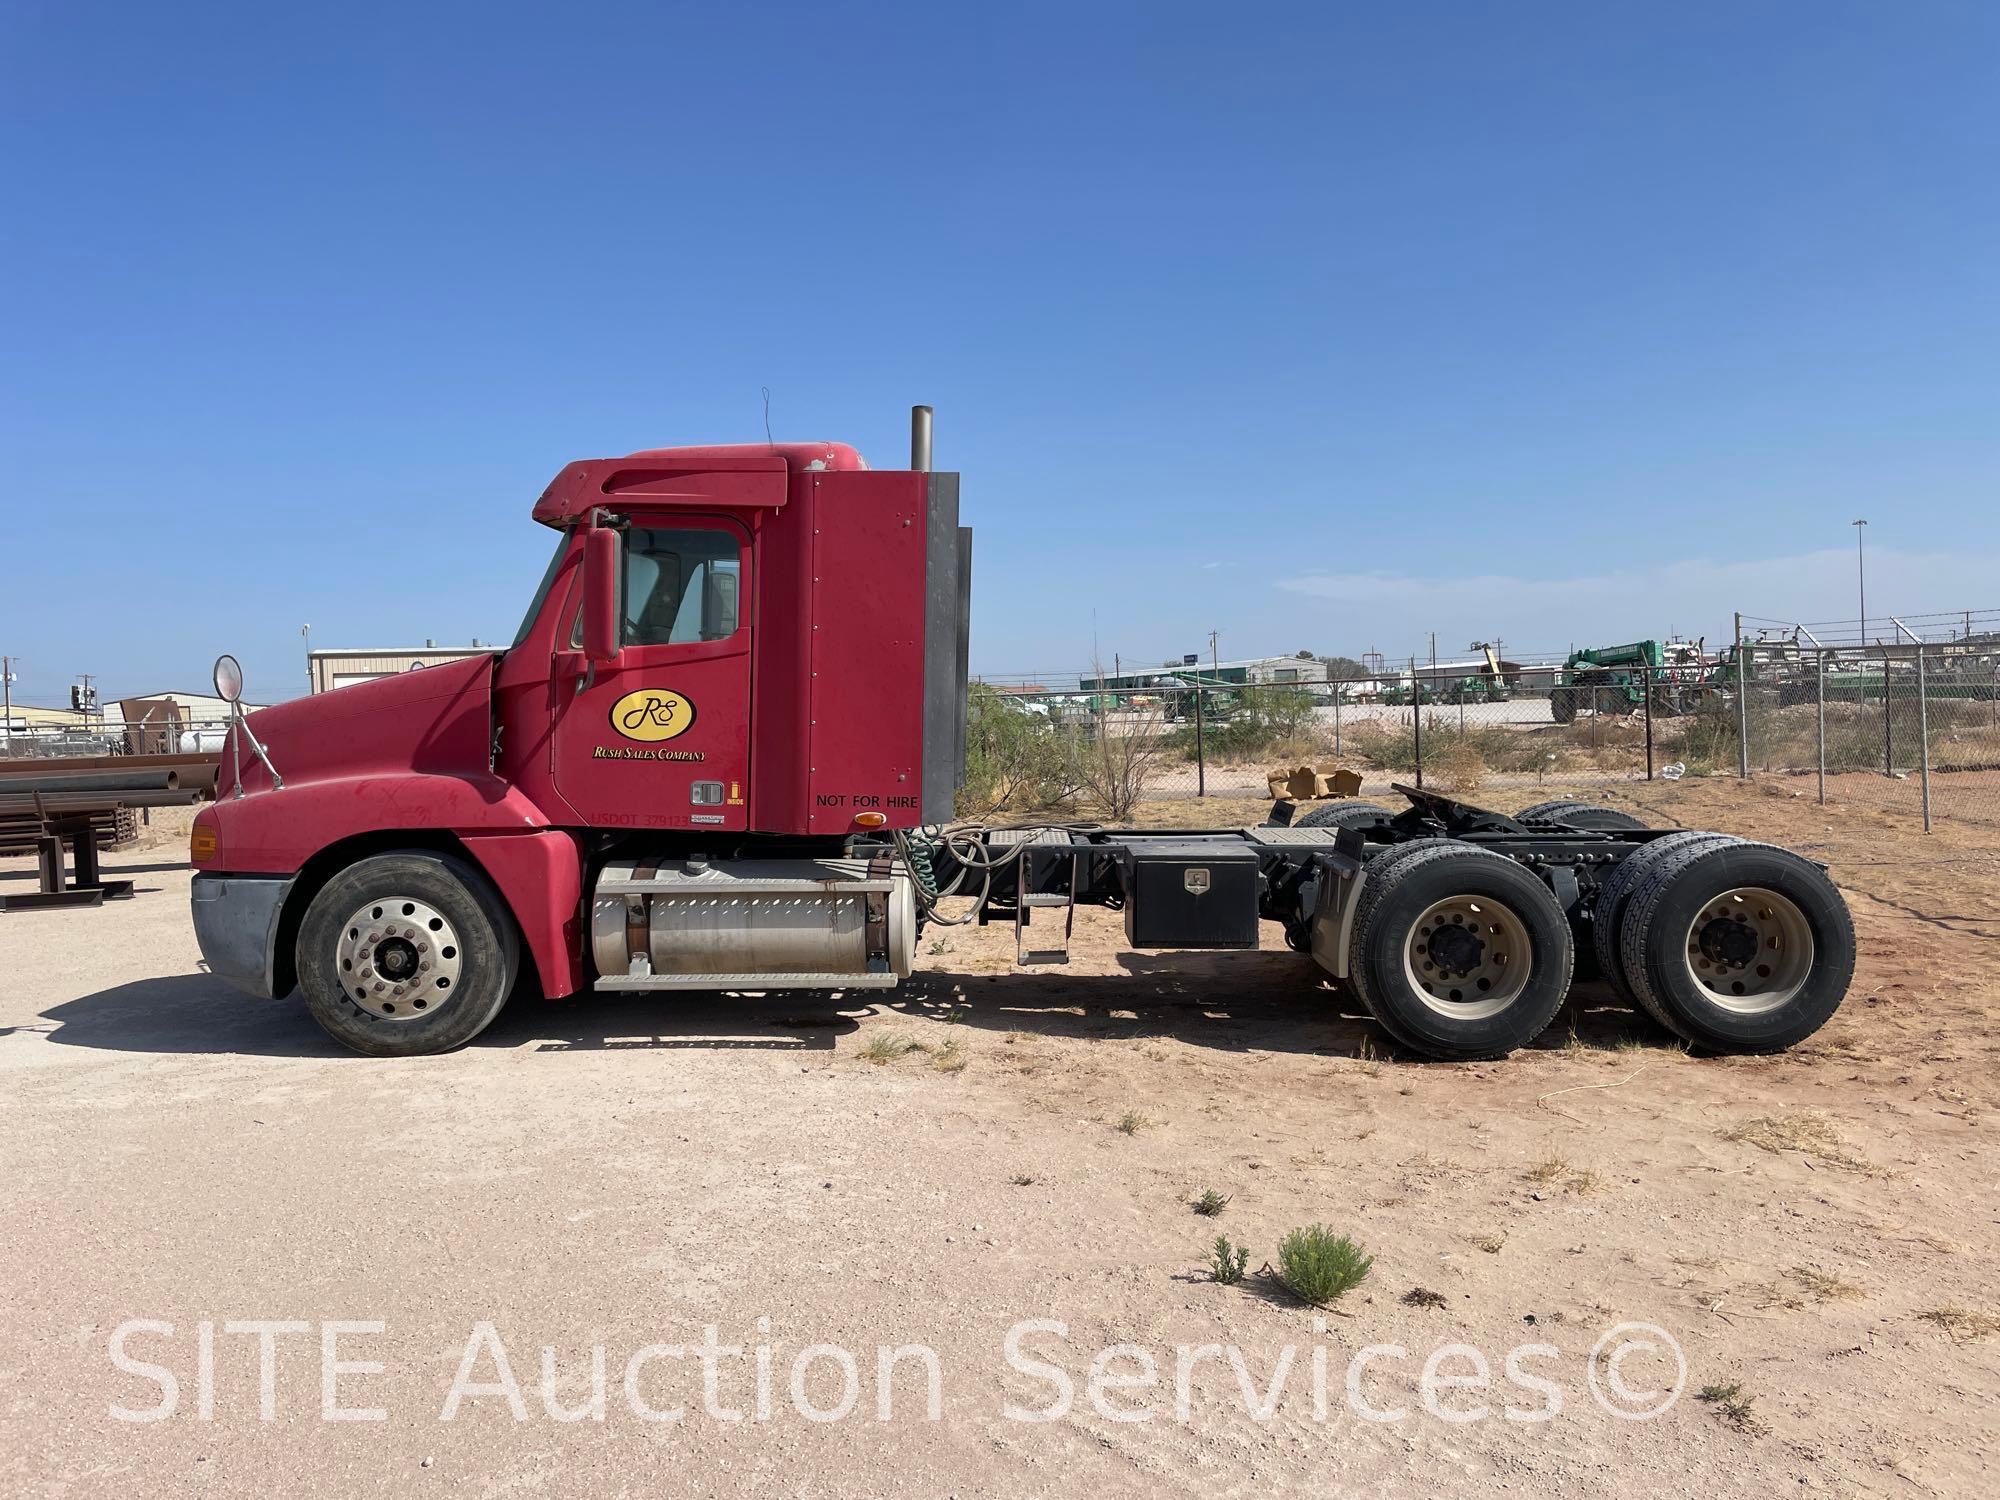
(7, 703)
(307, 632)
(1861, 575)
(1214, 654)
(1743, 702)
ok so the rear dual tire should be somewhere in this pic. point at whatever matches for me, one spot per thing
(1608, 912)
(1343, 814)
(1737, 947)
(1458, 952)
(1586, 815)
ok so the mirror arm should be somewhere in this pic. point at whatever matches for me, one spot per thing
(240, 727)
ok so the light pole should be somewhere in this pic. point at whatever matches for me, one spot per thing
(306, 631)
(1861, 575)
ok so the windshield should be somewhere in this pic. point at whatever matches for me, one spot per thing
(542, 593)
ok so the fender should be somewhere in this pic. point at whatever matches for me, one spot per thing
(537, 869)
(540, 877)
(276, 832)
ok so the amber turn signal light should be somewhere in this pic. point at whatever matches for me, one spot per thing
(203, 846)
(871, 820)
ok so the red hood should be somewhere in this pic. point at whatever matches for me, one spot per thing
(434, 719)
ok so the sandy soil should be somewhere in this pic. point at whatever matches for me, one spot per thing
(1817, 1229)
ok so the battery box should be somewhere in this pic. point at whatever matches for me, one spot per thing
(1191, 894)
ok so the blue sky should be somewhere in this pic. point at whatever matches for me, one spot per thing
(1323, 326)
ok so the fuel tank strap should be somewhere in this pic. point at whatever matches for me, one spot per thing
(876, 927)
(638, 929)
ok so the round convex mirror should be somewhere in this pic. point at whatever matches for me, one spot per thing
(228, 679)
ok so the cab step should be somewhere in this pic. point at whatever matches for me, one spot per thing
(746, 982)
(1050, 947)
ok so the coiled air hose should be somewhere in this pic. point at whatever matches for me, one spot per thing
(967, 844)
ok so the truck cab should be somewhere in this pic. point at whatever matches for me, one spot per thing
(739, 660)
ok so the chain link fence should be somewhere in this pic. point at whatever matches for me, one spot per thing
(1911, 730)
(1920, 720)
(175, 734)
(1104, 751)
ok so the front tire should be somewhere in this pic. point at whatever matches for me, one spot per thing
(1458, 952)
(407, 953)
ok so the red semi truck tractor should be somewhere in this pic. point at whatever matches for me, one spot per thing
(722, 754)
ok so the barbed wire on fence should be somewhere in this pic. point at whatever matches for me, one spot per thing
(1934, 627)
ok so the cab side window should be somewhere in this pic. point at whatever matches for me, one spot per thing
(680, 585)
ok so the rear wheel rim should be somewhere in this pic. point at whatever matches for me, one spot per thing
(1468, 957)
(398, 958)
(1749, 950)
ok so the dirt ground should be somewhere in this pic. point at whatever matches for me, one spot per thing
(1816, 1230)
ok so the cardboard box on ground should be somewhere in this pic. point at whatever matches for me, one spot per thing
(1305, 783)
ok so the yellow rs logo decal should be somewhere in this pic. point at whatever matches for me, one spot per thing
(652, 714)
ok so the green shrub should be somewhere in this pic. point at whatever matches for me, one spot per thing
(1392, 745)
(1259, 720)
(1227, 1261)
(1111, 761)
(1014, 758)
(1317, 1265)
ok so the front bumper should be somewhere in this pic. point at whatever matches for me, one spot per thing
(236, 923)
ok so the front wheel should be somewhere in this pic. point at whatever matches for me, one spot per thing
(1457, 951)
(407, 953)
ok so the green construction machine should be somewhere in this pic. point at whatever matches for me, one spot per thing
(1220, 697)
(1615, 679)
(1491, 684)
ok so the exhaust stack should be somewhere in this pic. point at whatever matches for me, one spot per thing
(920, 439)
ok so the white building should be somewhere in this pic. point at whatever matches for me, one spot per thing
(344, 666)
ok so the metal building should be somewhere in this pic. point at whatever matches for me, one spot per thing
(345, 666)
(1260, 671)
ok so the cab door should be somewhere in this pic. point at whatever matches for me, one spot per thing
(662, 739)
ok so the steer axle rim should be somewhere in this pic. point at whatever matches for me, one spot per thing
(1750, 950)
(398, 958)
(1468, 957)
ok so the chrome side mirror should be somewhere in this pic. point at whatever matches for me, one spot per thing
(228, 678)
